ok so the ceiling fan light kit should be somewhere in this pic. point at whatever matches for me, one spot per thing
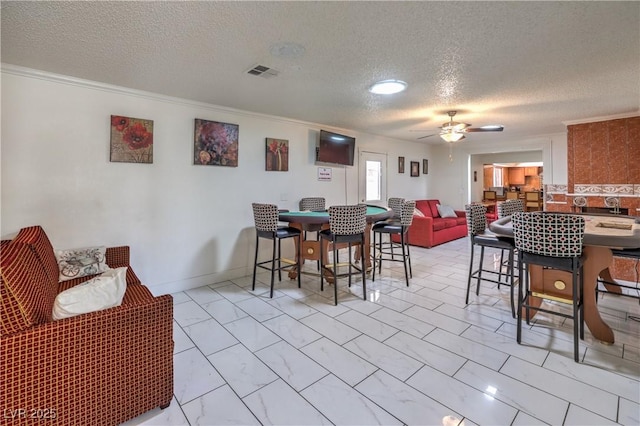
(453, 131)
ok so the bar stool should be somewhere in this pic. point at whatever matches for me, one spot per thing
(394, 228)
(553, 241)
(507, 208)
(347, 224)
(265, 217)
(395, 204)
(480, 236)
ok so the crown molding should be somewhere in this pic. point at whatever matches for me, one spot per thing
(602, 118)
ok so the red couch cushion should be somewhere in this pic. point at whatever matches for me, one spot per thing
(433, 205)
(439, 224)
(423, 206)
(38, 241)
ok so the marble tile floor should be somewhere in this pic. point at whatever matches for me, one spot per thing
(408, 355)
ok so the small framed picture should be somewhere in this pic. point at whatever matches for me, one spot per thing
(400, 164)
(425, 167)
(415, 169)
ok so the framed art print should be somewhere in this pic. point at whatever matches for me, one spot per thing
(425, 167)
(400, 164)
(415, 169)
(215, 143)
(277, 156)
(131, 140)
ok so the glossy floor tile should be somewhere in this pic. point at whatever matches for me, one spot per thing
(412, 355)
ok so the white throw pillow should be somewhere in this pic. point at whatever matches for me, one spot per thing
(418, 213)
(74, 263)
(446, 211)
(97, 294)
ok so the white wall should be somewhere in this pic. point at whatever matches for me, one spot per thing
(455, 184)
(187, 225)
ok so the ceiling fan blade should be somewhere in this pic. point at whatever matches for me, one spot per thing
(484, 129)
(428, 136)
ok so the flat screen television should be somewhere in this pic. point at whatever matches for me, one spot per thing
(335, 148)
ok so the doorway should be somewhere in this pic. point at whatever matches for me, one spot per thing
(372, 178)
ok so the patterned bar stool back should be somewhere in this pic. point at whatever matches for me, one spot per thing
(406, 216)
(395, 204)
(348, 220)
(509, 207)
(476, 218)
(314, 204)
(265, 217)
(549, 234)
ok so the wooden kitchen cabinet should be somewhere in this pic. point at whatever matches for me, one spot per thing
(516, 176)
(531, 171)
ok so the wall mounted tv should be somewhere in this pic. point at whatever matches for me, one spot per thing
(335, 148)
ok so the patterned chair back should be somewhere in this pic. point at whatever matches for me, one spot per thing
(476, 218)
(314, 204)
(395, 204)
(548, 234)
(509, 207)
(265, 217)
(406, 218)
(348, 220)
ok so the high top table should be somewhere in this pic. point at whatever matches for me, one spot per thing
(601, 234)
(311, 248)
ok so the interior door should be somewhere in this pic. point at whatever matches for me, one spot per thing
(372, 177)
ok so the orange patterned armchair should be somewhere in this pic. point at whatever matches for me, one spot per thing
(99, 368)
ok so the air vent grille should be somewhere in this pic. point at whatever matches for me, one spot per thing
(263, 71)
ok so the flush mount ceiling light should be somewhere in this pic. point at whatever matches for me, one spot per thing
(388, 87)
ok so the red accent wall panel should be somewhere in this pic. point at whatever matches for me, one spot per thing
(618, 153)
(634, 149)
(581, 155)
(599, 161)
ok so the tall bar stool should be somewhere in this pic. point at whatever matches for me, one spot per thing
(395, 204)
(394, 228)
(508, 208)
(553, 241)
(480, 236)
(265, 217)
(347, 224)
(314, 204)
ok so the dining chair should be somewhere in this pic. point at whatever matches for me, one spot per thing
(551, 241)
(265, 217)
(628, 253)
(394, 228)
(480, 236)
(347, 224)
(395, 204)
(489, 196)
(533, 201)
(314, 204)
(512, 195)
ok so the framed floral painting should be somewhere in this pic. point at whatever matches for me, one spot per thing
(215, 143)
(277, 158)
(131, 140)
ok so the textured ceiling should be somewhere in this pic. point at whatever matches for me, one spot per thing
(526, 65)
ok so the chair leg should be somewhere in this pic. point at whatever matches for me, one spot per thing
(406, 240)
(479, 277)
(404, 259)
(299, 256)
(273, 263)
(335, 273)
(364, 272)
(513, 309)
(373, 277)
(321, 265)
(279, 259)
(576, 318)
(466, 300)
(380, 245)
(500, 267)
(255, 263)
(520, 301)
(349, 262)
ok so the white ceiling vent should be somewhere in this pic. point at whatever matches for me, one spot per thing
(263, 71)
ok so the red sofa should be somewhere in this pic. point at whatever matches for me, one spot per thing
(429, 229)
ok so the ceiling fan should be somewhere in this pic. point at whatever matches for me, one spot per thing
(453, 131)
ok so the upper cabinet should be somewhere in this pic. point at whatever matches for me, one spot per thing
(531, 171)
(516, 175)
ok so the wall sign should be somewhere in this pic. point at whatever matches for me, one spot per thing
(324, 174)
